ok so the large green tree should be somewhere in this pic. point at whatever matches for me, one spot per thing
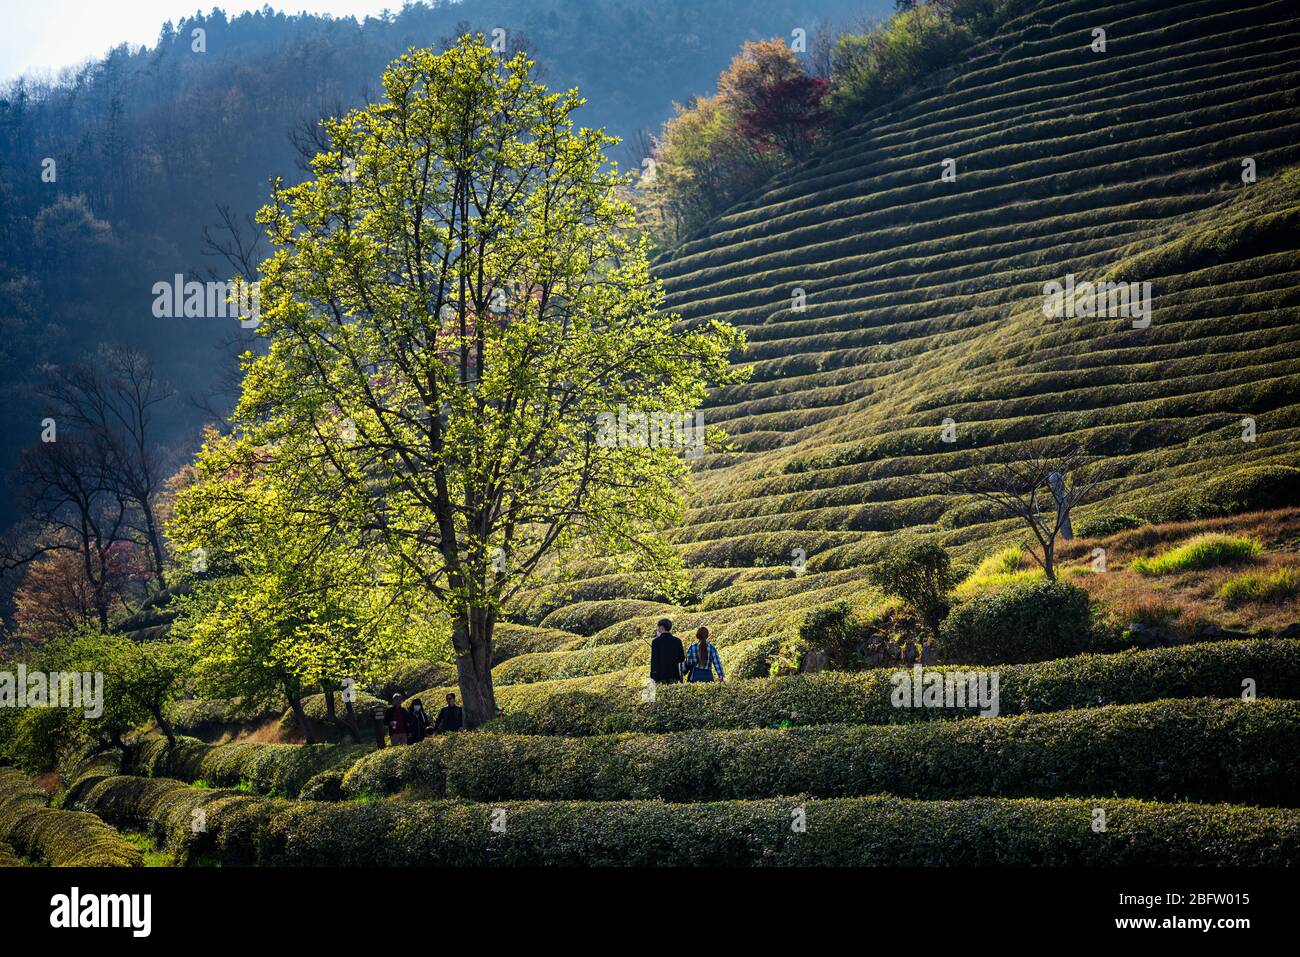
(457, 295)
(283, 603)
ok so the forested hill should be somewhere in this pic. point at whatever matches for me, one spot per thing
(149, 143)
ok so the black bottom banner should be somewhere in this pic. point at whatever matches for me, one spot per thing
(201, 905)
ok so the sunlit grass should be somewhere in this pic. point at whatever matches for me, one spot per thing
(1204, 551)
(152, 856)
(1278, 585)
(1002, 569)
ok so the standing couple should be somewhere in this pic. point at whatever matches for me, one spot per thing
(669, 662)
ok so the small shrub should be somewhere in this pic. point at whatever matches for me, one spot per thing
(1026, 623)
(750, 659)
(1276, 586)
(920, 573)
(1203, 551)
(833, 631)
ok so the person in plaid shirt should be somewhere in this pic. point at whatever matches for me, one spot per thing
(702, 659)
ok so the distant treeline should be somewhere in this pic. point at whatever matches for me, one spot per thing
(111, 174)
(780, 99)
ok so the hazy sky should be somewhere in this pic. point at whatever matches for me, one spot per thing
(44, 35)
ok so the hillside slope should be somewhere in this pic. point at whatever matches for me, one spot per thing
(924, 303)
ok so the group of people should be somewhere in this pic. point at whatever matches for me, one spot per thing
(671, 663)
(411, 725)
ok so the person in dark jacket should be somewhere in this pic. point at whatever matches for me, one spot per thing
(666, 654)
(398, 720)
(450, 718)
(419, 721)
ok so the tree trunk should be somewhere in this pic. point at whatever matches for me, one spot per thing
(155, 541)
(295, 705)
(96, 584)
(472, 640)
(353, 729)
(332, 715)
(165, 726)
(934, 620)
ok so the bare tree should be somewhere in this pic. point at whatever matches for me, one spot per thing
(821, 49)
(637, 148)
(238, 242)
(108, 400)
(1039, 486)
(69, 494)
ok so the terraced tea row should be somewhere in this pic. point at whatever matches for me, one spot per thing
(877, 831)
(1212, 750)
(906, 323)
(54, 836)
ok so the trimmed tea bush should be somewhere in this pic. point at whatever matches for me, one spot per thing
(589, 617)
(1211, 750)
(326, 786)
(408, 677)
(1213, 669)
(873, 831)
(1038, 621)
(207, 718)
(1100, 526)
(1244, 490)
(276, 769)
(57, 837)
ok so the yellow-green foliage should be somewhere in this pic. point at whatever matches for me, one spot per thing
(872, 67)
(1001, 569)
(1280, 584)
(1203, 551)
(54, 836)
